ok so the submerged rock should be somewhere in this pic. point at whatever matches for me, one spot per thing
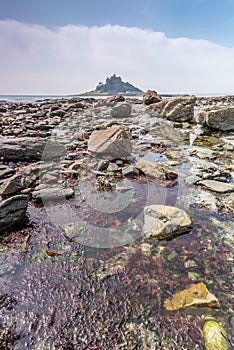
(113, 266)
(112, 143)
(196, 295)
(215, 336)
(12, 211)
(165, 222)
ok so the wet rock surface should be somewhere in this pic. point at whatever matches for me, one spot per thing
(78, 269)
(12, 211)
(165, 222)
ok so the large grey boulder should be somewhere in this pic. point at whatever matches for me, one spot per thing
(121, 110)
(113, 143)
(221, 118)
(177, 109)
(165, 222)
(12, 211)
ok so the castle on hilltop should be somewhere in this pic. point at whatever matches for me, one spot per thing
(115, 86)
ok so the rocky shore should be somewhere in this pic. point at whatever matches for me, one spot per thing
(118, 171)
(103, 135)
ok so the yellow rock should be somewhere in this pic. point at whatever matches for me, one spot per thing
(214, 336)
(194, 295)
(146, 249)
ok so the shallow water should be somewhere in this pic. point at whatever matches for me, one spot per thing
(100, 289)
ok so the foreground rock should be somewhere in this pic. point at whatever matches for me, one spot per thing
(165, 222)
(57, 193)
(156, 171)
(218, 118)
(196, 295)
(12, 211)
(121, 110)
(21, 180)
(29, 149)
(178, 109)
(112, 143)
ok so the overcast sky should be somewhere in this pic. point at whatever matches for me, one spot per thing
(68, 47)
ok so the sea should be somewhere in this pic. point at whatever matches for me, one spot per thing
(33, 98)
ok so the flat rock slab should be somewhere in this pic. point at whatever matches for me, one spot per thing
(112, 143)
(29, 148)
(12, 211)
(165, 222)
(217, 186)
(53, 194)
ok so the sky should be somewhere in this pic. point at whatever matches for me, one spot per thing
(69, 46)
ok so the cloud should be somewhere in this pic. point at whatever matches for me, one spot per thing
(72, 59)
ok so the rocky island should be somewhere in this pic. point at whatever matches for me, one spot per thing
(115, 86)
(116, 223)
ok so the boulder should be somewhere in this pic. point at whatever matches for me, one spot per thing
(165, 222)
(12, 211)
(151, 96)
(177, 109)
(221, 118)
(121, 110)
(156, 170)
(111, 144)
(29, 149)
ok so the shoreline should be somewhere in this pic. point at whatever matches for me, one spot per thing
(34, 98)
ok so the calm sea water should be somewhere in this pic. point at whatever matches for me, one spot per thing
(33, 98)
